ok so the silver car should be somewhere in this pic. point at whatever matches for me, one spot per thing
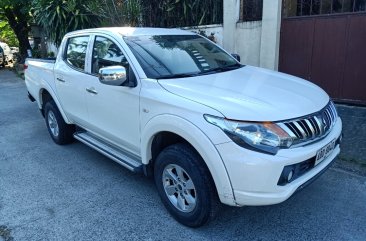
(9, 58)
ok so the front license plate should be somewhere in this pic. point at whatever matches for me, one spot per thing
(324, 152)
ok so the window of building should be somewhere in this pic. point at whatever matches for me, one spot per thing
(251, 10)
(294, 8)
(76, 51)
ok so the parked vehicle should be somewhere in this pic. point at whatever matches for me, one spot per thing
(14, 50)
(2, 57)
(175, 106)
(7, 52)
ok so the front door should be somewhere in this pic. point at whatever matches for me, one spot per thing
(113, 110)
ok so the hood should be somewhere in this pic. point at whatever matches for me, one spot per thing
(251, 94)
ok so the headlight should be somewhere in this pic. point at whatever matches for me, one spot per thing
(264, 137)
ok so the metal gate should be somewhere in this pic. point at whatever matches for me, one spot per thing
(329, 50)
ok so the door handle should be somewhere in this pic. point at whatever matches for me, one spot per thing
(91, 90)
(61, 80)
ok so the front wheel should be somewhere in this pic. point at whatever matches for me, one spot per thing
(185, 185)
(60, 131)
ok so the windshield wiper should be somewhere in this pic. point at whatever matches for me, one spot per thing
(176, 76)
(222, 69)
(205, 72)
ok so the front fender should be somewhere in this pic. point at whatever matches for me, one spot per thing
(203, 145)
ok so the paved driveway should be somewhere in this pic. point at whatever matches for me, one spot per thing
(51, 192)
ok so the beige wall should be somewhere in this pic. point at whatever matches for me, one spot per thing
(248, 42)
(257, 42)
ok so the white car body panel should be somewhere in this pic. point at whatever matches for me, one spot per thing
(242, 164)
(252, 94)
(72, 92)
(131, 117)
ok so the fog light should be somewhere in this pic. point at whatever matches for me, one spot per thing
(290, 175)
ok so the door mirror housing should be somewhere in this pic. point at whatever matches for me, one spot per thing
(113, 75)
(236, 56)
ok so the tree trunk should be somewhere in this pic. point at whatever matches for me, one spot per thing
(18, 22)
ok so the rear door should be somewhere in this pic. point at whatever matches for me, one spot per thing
(70, 78)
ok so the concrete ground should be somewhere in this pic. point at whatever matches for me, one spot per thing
(354, 128)
(50, 192)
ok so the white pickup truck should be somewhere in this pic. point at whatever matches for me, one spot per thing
(173, 105)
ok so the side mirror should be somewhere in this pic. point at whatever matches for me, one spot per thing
(236, 56)
(113, 75)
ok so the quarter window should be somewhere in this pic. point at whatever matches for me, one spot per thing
(106, 53)
(76, 51)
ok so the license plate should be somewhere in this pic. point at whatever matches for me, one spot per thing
(324, 152)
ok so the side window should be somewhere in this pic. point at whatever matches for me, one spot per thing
(106, 53)
(76, 51)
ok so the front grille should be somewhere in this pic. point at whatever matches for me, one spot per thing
(311, 127)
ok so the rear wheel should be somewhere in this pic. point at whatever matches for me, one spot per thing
(185, 185)
(60, 131)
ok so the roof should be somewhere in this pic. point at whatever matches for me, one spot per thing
(132, 31)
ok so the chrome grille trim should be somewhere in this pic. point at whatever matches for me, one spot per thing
(318, 125)
(287, 130)
(311, 128)
(297, 125)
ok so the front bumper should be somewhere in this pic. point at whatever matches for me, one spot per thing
(254, 176)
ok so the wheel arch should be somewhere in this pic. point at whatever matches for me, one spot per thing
(44, 96)
(185, 131)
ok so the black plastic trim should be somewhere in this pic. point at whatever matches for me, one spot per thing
(31, 98)
(311, 180)
(300, 168)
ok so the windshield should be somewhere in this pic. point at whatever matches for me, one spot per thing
(176, 56)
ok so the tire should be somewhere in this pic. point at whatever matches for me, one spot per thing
(192, 198)
(60, 131)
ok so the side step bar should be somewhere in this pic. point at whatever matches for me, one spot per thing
(129, 161)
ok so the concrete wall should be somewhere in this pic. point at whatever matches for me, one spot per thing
(247, 42)
(52, 48)
(270, 39)
(256, 42)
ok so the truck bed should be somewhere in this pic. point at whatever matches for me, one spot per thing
(39, 73)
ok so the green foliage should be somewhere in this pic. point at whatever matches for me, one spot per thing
(118, 12)
(59, 17)
(51, 54)
(7, 35)
(23, 5)
(181, 13)
(16, 14)
(36, 53)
